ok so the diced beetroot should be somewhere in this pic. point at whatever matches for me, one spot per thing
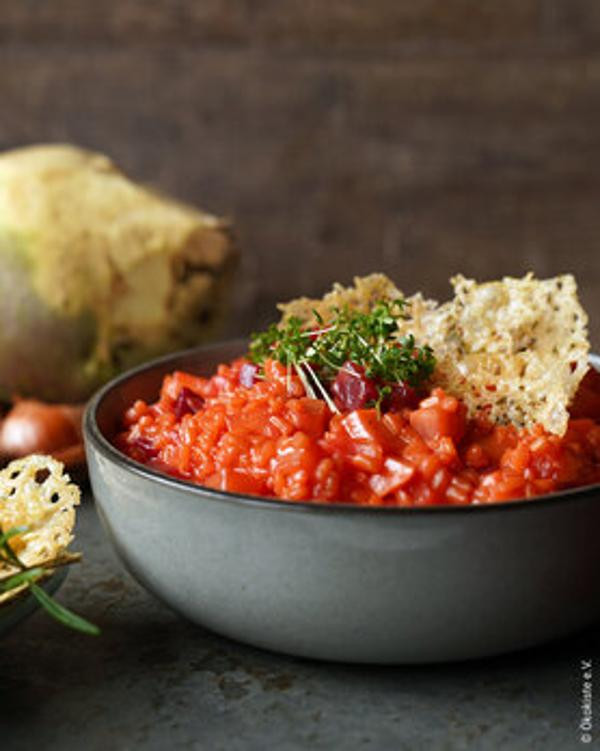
(352, 389)
(143, 449)
(247, 375)
(402, 396)
(187, 403)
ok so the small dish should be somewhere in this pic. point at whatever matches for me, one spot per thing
(25, 605)
(343, 582)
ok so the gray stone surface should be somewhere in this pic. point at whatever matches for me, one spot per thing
(154, 681)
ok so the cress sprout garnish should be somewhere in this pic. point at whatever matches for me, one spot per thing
(317, 351)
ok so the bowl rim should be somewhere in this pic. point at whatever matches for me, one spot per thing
(93, 437)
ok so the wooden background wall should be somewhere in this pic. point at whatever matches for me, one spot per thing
(343, 136)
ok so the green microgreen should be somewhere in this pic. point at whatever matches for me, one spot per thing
(318, 350)
(383, 393)
(28, 576)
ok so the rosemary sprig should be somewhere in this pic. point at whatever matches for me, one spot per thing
(29, 576)
(318, 350)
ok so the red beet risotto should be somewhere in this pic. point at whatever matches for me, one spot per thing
(254, 430)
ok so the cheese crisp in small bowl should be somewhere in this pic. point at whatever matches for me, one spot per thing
(37, 516)
(374, 479)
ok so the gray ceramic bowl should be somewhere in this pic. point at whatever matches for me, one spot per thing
(379, 585)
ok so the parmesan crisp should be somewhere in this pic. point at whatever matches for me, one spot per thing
(36, 494)
(515, 350)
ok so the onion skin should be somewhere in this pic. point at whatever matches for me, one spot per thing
(32, 427)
